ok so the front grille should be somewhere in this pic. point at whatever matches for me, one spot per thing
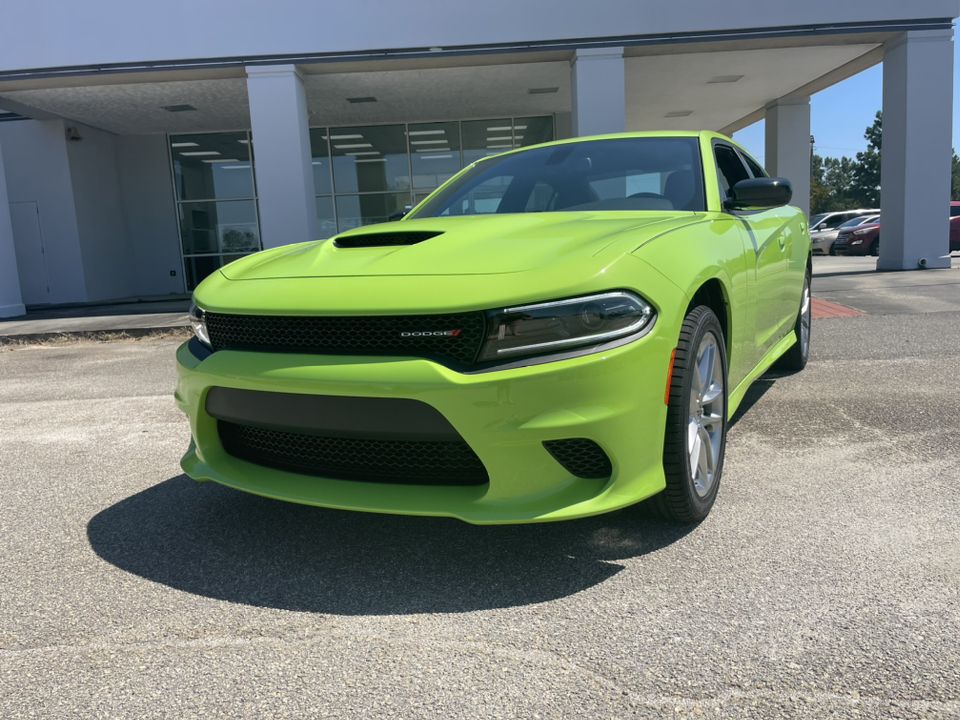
(409, 462)
(358, 335)
(580, 457)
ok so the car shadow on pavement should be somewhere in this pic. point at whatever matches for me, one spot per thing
(209, 540)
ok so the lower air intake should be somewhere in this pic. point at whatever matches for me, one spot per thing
(408, 462)
(580, 457)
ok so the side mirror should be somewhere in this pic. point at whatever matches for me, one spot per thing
(399, 213)
(759, 194)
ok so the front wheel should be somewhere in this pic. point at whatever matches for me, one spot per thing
(696, 430)
(875, 248)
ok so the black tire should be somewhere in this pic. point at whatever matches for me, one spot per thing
(683, 500)
(875, 247)
(832, 251)
(795, 359)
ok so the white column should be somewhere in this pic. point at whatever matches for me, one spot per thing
(598, 83)
(915, 174)
(11, 303)
(787, 137)
(281, 140)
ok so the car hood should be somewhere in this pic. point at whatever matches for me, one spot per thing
(476, 245)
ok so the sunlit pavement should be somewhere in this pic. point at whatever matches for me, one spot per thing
(826, 583)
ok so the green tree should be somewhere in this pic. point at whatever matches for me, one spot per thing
(955, 178)
(865, 185)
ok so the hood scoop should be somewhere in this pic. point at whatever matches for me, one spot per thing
(386, 239)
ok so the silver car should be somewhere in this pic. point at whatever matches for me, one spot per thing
(823, 239)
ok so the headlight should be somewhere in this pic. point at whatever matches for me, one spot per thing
(563, 324)
(199, 322)
(862, 232)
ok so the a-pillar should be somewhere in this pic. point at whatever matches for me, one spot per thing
(598, 85)
(11, 303)
(915, 174)
(281, 139)
(787, 137)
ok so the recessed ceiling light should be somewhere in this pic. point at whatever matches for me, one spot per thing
(344, 137)
(498, 139)
(499, 146)
(197, 153)
(435, 157)
(178, 108)
(235, 167)
(432, 149)
(367, 152)
(725, 79)
(428, 142)
(244, 142)
(427, 132)
(184, 144)
(380, 159)
(351, 146)
(679, 113)
(542, 91)
(361, 99)
(505, 128)
(520, 127)
(222, 160)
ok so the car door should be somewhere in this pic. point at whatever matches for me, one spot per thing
(769, 251)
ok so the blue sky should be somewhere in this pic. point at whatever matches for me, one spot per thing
(840, 114)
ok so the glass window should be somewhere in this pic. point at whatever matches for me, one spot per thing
(434, 153)
(730, 169)
(215, 166)
(532, 131)
(485, 137)
(755, 169)
(320, 154)
(370, 159)
(198, 268)
(326, 220)
(592, 176)
(214, 227)
(954, 210)
(354, 211)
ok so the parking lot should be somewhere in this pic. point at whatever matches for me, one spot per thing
(826, 582)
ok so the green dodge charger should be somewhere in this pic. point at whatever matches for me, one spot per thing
(556, 332)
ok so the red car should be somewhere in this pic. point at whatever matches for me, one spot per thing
(861, 240)
(865, 239)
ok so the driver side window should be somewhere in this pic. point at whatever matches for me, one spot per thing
(730, 170)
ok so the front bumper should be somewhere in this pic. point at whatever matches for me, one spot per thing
(615, 398)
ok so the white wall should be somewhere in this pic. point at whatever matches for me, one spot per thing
(11, 303)
(96, 196)
(37, 170)
(150, 214)
(119, 31)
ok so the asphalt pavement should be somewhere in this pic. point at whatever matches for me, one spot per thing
(825, 584)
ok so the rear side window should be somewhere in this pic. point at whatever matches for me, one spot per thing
(731, 170)
(954, 210)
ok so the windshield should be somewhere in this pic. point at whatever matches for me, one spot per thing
(816, 220)
(626, 174)
(859, 221)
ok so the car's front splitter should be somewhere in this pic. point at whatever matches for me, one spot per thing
(614, 398)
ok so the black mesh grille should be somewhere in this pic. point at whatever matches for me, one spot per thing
(384, 239)
(580, 457)
(409, 462)
(360, 335)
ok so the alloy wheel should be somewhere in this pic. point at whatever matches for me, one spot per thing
(705, 422)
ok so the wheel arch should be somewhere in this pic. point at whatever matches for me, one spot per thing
(715, 295)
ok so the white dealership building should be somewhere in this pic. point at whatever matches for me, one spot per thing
(141, 147)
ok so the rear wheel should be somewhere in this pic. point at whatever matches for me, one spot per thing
(795, 359)
(875, 247)
(696, 430)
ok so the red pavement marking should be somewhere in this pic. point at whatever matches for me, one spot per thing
(824, 309)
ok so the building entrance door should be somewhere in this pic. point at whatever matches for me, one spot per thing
(31, 259)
